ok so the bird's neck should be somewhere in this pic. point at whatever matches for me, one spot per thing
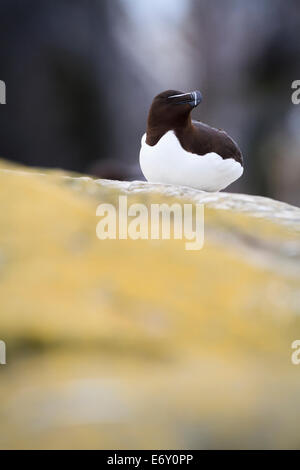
(155, 131)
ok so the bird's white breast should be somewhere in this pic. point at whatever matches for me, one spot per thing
(168, 162)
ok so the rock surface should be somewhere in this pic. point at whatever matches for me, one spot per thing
(142, 344)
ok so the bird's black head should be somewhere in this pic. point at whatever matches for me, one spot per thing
(170, 108)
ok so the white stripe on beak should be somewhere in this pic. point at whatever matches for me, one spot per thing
(195, 97)
(178, 96)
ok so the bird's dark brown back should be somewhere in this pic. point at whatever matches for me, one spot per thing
(200, 139)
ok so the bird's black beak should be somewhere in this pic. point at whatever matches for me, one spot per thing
(192, 98)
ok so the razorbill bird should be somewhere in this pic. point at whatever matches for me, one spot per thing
(178, 150)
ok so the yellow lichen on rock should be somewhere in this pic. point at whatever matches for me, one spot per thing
(136, 344)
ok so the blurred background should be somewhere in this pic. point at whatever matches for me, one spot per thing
(81, 75)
